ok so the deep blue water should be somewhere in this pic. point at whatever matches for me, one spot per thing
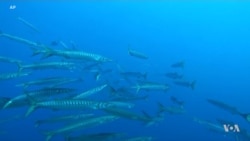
(211, 37)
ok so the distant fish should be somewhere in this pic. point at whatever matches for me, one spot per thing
(150, 86)
(174, 75)
(178, 64)
(7, 76)
(223, 106)
(144, 138)
(105, 136)
(81, 125)
(186, 84)
(54, 43)
(171, 109)
(136, 54)
(28, 24)
(176, 101)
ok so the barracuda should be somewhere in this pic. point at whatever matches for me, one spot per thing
(90, 92)
(150, 86)
(63, 119)
(48, 65)
(9, 60)
(81, 125)
(28, 24)
(74, 55)
(38, 94)
(137, 54)
(140, 139)
(51, 81)
(6, 76)
(68, 104)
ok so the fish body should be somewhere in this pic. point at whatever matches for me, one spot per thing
(81, 125)
(178, 64)
(150, 86)
(48, 65)
(174, 75)
(137, 54)
(7, 76)
(90, 92)
(186, 84)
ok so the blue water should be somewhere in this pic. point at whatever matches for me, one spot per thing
(211, 37)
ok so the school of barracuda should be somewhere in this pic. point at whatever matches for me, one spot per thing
(111, 98)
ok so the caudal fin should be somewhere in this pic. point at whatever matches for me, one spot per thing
(33, 105)
(193, 84)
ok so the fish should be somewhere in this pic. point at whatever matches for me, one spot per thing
(178, 64)
(90, 92)
(171, 109)
(37, 94)
(63, 119)
(210, 125)
(28, 24)
(10, 60)
(64, 104)
(103, 136)
(137, 54)
(81, 125)
(48, 65)
(72, 54)
(150, 86)
(130, 98)
(224, 106)
(13, 75)
(186, 84)
(127, 114)
(134, 75)
(32, 44)
(176, 101)
(174, 75)
(49, 81)
(143, 138)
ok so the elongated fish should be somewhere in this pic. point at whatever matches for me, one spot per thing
(50, 81)
(9, 60)
(104, 136)
(174, 75)
(186, 84)
(63, 119)
(136, 54)
(150, 86)
(143, 138)
(28, 24)
(224, 106)
(128, 114)
(81, 125)
(37, 94)
(7, 76)
(171, 109)
(22, 40)
(90, 92)
(178, 64)
(69, 104)
(71, 54)
(48, 65)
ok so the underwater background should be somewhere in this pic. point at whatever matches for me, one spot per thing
(211, 38)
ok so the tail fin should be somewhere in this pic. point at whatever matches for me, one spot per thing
(35, 51)
(33, 105)
(49, 135)
(48, 52)
(20, 67)
(7, 104)
(161, 107)
(193, 84)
